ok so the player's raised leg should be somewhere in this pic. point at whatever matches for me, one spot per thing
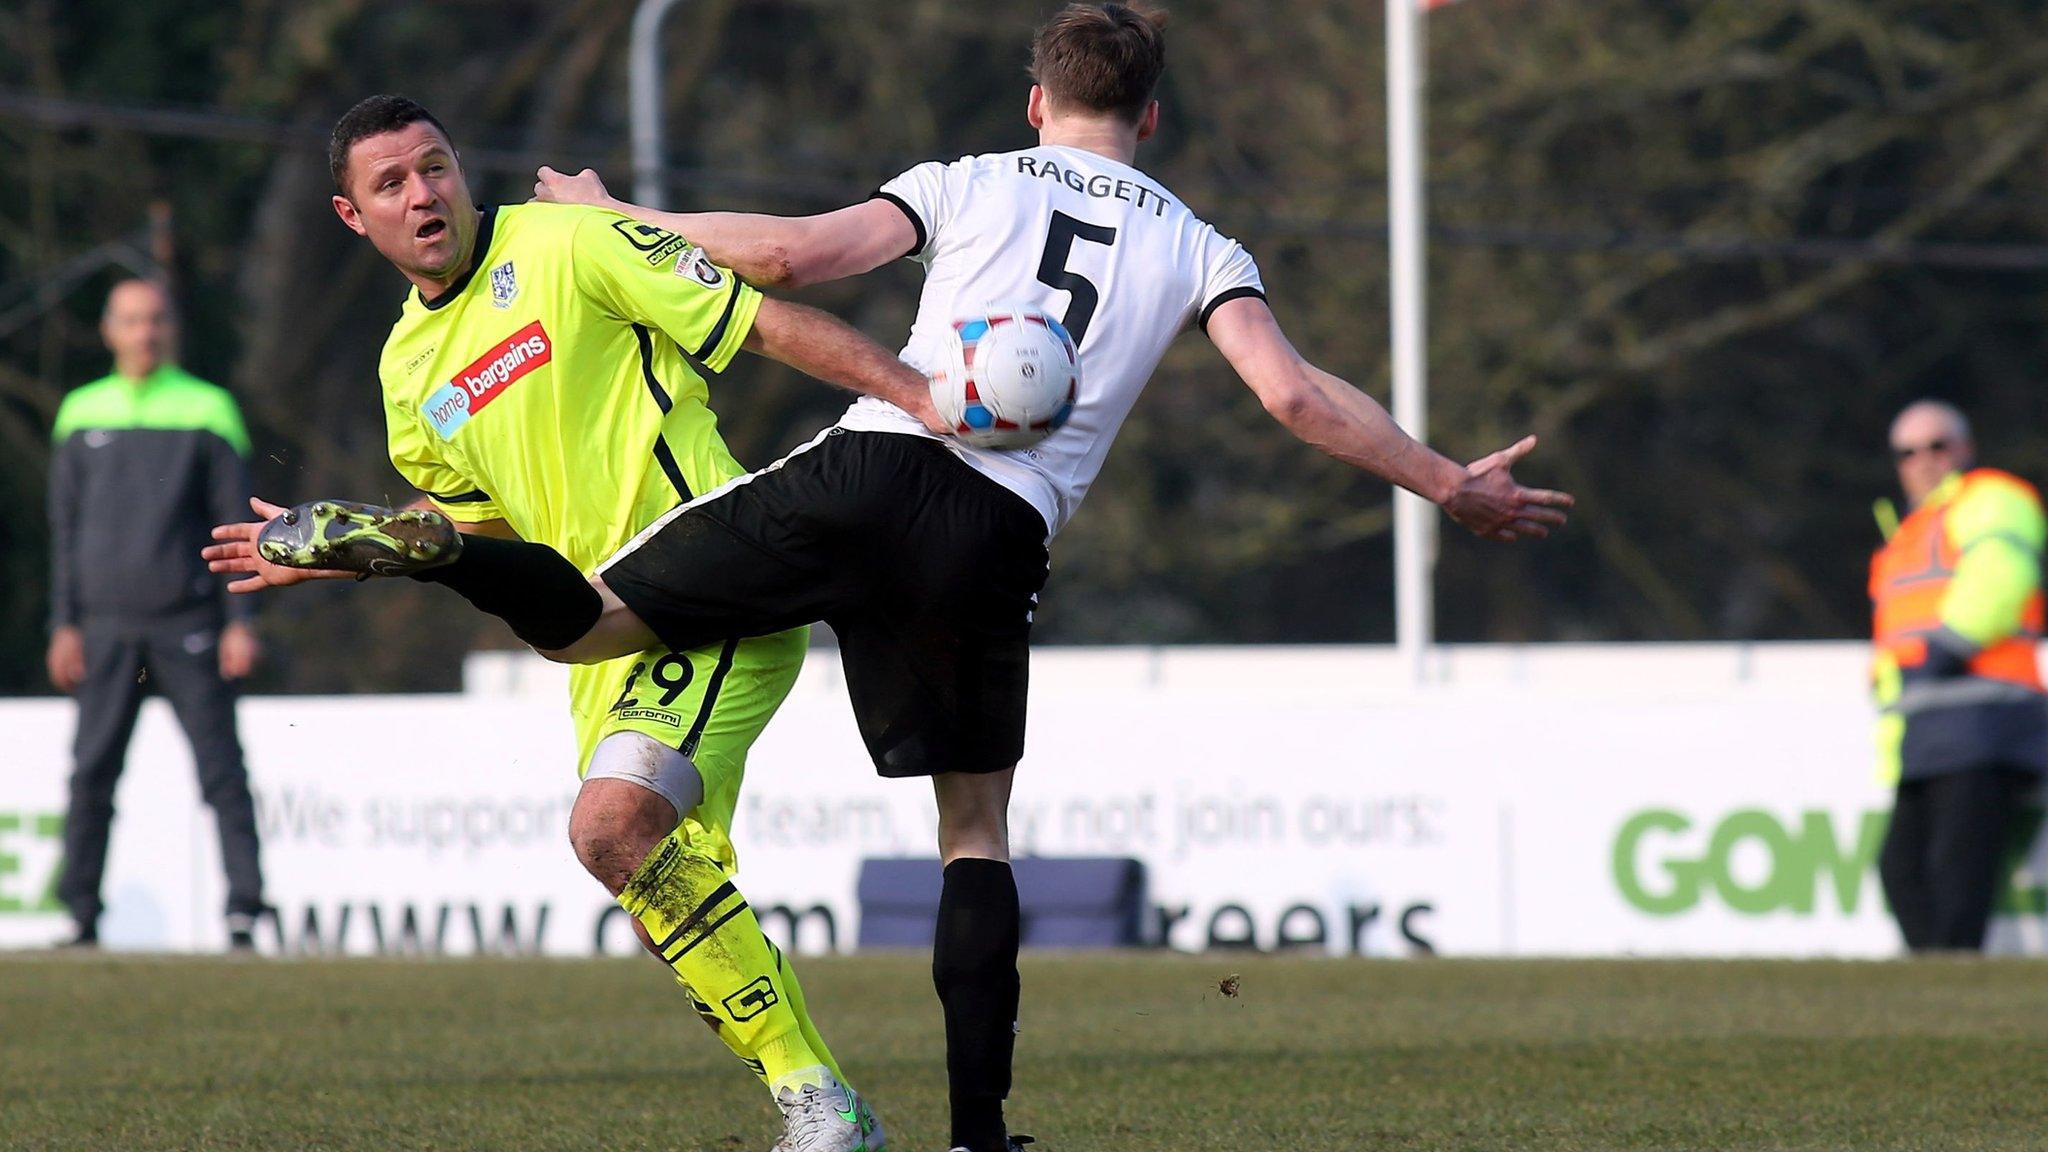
(545, 599)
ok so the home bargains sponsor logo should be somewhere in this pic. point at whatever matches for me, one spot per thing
(453, 403)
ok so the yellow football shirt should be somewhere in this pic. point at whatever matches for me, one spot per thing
(552, 387)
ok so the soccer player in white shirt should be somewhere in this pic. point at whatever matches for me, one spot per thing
(1073, 228)
(927, 555)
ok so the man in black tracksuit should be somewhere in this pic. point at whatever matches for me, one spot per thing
(147, 459)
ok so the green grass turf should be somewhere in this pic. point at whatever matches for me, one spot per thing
(1126, 1053)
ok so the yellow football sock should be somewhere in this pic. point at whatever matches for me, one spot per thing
(794, 994)
(704, 930)
(720, 1029)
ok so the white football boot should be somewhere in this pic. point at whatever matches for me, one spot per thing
(819, 1114)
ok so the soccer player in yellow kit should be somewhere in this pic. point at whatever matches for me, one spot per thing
(538, 385)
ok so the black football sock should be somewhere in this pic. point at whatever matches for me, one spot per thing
(542, 596)
(974, 967)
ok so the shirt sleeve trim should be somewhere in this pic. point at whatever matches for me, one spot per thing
(710, 344)
(477, 497)
(1239, 293)
(916, 222)
(744, 306)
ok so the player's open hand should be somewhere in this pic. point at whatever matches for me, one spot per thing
(1491, 505)
(552, 187)
(237, 555)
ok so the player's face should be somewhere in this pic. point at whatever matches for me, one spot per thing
(407, 194)
(137, 327)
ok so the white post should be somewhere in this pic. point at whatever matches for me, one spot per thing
(643, 91)
(1415, 519)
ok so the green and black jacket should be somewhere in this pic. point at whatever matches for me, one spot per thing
(141, 472)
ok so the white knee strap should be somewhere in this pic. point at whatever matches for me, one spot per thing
(641, 759)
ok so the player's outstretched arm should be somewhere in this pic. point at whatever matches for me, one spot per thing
(1328, 413)
(766, 251)
(822, 345)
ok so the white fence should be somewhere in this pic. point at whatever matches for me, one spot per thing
(1559, 800)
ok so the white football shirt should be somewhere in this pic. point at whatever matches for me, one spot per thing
(1098, 244)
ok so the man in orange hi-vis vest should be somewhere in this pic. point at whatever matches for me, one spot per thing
(1964, 727)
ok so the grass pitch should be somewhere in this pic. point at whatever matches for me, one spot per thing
(1125, 1053)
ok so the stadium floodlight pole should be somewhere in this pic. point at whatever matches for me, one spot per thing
(1414, 519)
(643, 92)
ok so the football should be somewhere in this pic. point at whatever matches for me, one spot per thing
(1007, 378)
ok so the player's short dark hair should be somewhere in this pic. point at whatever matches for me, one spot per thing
(1104, 57)
(372, 117)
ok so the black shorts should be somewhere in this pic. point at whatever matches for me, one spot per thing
(927, 570)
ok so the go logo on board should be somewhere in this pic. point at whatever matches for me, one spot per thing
(1751, 861)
